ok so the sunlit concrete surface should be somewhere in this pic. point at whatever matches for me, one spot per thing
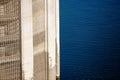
(27, 39)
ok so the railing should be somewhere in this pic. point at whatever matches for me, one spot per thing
(7, 59)
(8, 18)
(10, 56)
(4, 1)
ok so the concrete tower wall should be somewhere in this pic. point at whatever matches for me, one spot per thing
(27, 39)
(30, 39)
(40, 57)
(53, 38)
(46, 39)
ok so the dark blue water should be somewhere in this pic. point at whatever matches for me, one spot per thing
(90, 39)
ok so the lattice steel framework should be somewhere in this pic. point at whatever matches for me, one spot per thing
(10, 40)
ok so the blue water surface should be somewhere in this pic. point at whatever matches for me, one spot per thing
(90, 39)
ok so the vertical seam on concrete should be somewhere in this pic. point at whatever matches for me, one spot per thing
(46, 39)
(20, 41)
